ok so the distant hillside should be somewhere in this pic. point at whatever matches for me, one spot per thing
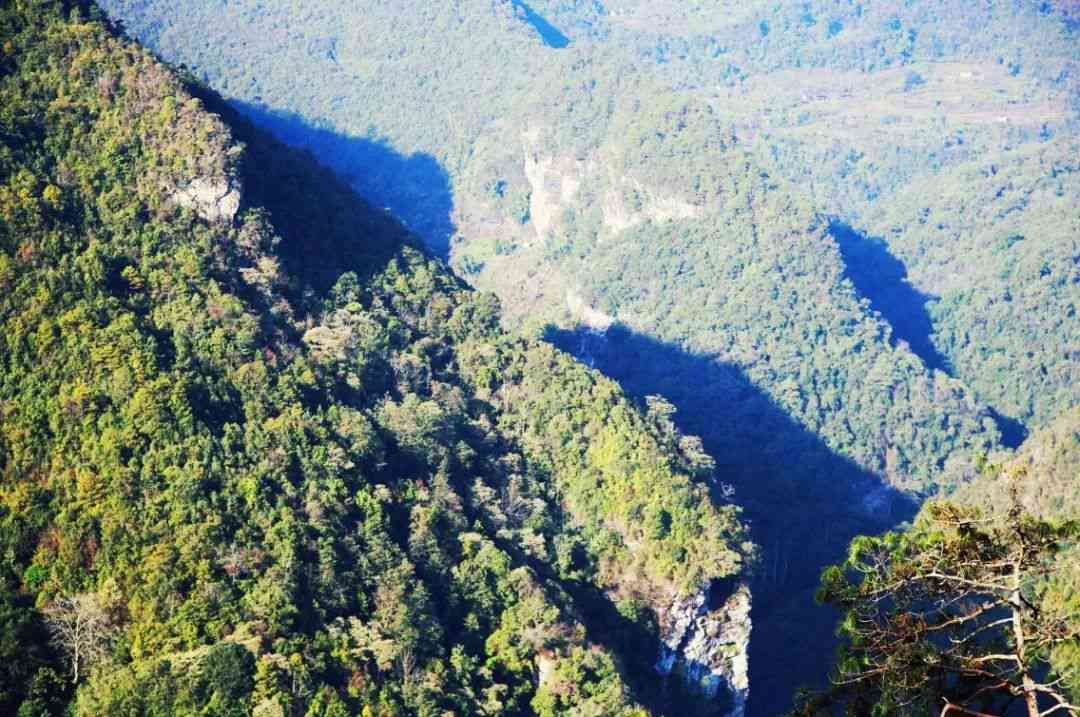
(1048, 464)
(998, 245)
(260, 454)
(626, 127)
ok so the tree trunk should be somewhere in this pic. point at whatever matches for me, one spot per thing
(76, 644)
(1031, 697)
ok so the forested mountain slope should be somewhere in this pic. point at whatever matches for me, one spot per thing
(692, 194)
(998, 245)
(269, 457)
(625, 126)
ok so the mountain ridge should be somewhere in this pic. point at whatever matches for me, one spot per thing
(286, 461)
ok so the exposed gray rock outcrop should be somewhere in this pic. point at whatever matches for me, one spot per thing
(545, 667)
(707, 646)
(215, 200)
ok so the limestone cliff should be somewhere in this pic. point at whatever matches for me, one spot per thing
(213, 200)
(706, 642)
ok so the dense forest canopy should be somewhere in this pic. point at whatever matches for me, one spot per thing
(842, 234)
(261, 454)
(626, 126)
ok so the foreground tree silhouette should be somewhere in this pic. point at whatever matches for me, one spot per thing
(947, 618)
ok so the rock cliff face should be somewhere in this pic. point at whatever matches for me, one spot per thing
(706, 643)
(215, 200)
(556, 182)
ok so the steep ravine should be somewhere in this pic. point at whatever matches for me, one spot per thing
(284, 460)
(802, 501)
(815, 424)
(706, 643)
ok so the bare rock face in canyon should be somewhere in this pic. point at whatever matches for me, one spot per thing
(706, 642)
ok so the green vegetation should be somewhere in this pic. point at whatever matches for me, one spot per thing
(926, 608)
(259, 454)
(1043, 475)
(957, 615)
(675, 168)
(839, 237)
(622, 142)
(1006, 275)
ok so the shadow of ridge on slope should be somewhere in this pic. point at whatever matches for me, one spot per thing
(324, 226)
(414, 188)
(804, 502)
(881, 278)
(550, 34)
(326, 229)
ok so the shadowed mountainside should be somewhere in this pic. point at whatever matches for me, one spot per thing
(882, 279)
(550, 34)
(414, 188)
(803, 501)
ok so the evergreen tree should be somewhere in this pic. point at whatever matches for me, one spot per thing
(948, 618)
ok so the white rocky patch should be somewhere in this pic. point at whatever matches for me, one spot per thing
(215, 200)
